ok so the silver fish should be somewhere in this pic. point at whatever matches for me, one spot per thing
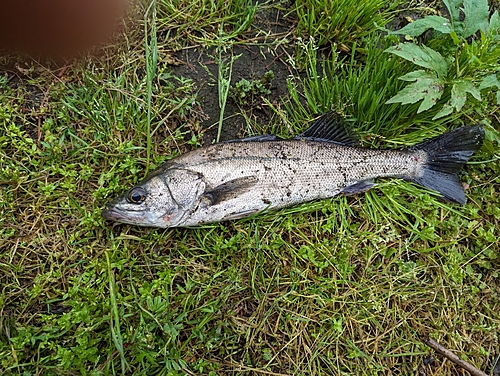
(238, 178)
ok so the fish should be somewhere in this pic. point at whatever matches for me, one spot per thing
(238, 178)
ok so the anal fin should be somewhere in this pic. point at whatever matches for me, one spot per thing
(358, 187)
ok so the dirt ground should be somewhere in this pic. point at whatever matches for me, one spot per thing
(269, 53)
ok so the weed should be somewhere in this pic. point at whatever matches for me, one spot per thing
(244, 91)
(359, 92)
(458, 65)
(225, 69)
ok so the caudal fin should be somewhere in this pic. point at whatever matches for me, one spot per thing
(446, 155)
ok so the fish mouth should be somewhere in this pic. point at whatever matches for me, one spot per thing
(113, 214)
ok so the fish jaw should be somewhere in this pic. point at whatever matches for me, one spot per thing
(142, 218)
(117, 215)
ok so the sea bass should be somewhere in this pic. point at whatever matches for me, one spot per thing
(237, 178)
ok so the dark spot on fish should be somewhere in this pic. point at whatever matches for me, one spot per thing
(266, 201)
(267, 168)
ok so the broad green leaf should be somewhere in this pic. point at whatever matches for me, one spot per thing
(466, 86)
(489, 81)
(458, 97)
(416, 75)
(446, 110)
(433, 93)
(476, 17)
(454, 10)
(421, 55)
(428, 89)
(494, 26)
(416, 28)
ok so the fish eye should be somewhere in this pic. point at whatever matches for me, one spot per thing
(136, 195)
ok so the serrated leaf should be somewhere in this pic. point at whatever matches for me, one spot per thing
(434, 92)
(417, 75)
(422, 56)
(446, 110)
(489, 81)
(468, 87)
(476, 17)
(458, 97)
(494, 26)
(453, 7)
(428, 89)
(418, 27)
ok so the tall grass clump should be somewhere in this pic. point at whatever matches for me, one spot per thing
(341, 21)
(151, 51)
(357, 87)
(201, 20)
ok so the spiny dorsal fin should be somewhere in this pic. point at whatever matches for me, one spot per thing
(330, 127)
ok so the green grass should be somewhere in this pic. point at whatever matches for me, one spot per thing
(343, 286)
(202, 21)
(328, 24)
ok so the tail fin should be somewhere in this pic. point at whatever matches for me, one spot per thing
(446, 155)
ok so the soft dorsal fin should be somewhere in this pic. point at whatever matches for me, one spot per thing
(330, 127)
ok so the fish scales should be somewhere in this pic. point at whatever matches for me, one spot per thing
(289, 172)
(297, 165)
(235, 179)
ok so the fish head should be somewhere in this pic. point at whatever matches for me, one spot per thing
(162, 200)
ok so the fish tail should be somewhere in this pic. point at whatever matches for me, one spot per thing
(446, 155)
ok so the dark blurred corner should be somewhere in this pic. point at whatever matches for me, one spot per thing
(57, 28)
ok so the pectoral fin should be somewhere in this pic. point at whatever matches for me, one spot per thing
(230, 189)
